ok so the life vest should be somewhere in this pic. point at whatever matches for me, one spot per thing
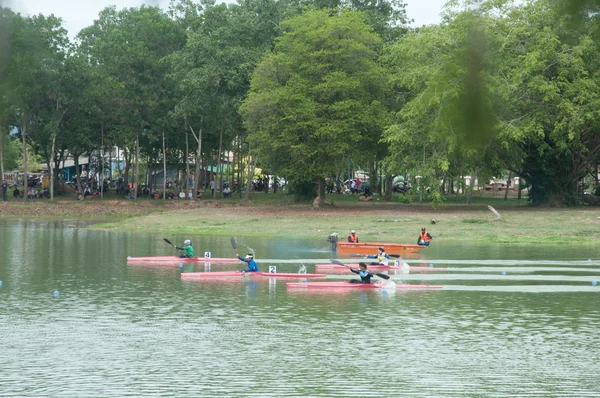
(383, 259)
(353, 238)
(424, 237)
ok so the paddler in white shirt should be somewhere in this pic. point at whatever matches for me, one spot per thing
(382, 257)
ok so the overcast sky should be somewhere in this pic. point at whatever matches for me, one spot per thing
(78, 14)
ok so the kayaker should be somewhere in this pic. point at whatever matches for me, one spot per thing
(382, 257)
(187, 247)
(424, 238)
(353, 238)
(363, 272)
(252, 266)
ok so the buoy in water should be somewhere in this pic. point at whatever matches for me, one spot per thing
(594, 283)
(503, 272)
(430, 265)
(56, 293)
(180, 265)
(0, 283)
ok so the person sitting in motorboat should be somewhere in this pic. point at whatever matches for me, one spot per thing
(252, 266)
(382, 257)
(353, 238)
(363, 272)
(424, 238)
(187, 247)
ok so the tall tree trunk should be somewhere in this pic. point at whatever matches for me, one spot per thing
(470, 194)
(373, 177)
(3, 133)
(164, 167)
(25, 179)
(101, 175)
(187, 161)
(198, 159)
(507, 185)
(77, 173)
(51, 168)
(251, 166)
(320, 199)
(389, 186)
(137, 165)
(219, 165)
(239, 167)
(128, 156)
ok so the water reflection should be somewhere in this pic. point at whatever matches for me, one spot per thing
(139, 330)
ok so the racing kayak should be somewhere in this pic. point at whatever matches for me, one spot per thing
(339, 268)
(177, 260)
(356, 286)
(240, 274)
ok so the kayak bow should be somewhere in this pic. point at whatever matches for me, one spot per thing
(356, 286)
(177, 260)
(239, 274)
(339, 268)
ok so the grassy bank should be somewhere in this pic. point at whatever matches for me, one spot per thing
(275, 216)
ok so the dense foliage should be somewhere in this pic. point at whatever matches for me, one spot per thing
(316, 90)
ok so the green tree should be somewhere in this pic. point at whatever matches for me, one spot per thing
(317, 98)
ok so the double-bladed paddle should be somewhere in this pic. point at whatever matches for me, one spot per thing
(169, 242)
(383, 276)
(234, 245)
(391, 255)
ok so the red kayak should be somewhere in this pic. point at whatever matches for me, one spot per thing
(341, 269)
(176, 260)
(357, 286)
(238, 274)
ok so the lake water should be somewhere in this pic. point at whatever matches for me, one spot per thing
(117, 330)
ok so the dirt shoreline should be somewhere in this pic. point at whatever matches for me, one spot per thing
(131, 208)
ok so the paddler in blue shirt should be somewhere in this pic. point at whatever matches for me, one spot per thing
(187, 247)
(252, 267)
(363, 272)
(382, 257)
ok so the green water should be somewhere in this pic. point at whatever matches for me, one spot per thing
(118, 330)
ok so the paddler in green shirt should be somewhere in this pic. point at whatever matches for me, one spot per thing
(187, 247)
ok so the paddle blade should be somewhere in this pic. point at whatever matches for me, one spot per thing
(168, 241)
(383, 276)
(394, 255)
(333, 261)
(233, 243)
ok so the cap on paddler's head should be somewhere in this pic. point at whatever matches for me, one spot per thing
(353, 232)
(249, 255)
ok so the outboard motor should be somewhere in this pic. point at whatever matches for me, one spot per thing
(333, 239)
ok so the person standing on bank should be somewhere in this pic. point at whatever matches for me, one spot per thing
(4, 190)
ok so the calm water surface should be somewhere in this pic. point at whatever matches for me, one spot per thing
(119, 330)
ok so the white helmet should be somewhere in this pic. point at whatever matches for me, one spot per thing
(187, 242)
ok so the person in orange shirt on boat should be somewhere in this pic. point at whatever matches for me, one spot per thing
(382, 257)
(363, 272)
(424, 238)
(353, 238)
